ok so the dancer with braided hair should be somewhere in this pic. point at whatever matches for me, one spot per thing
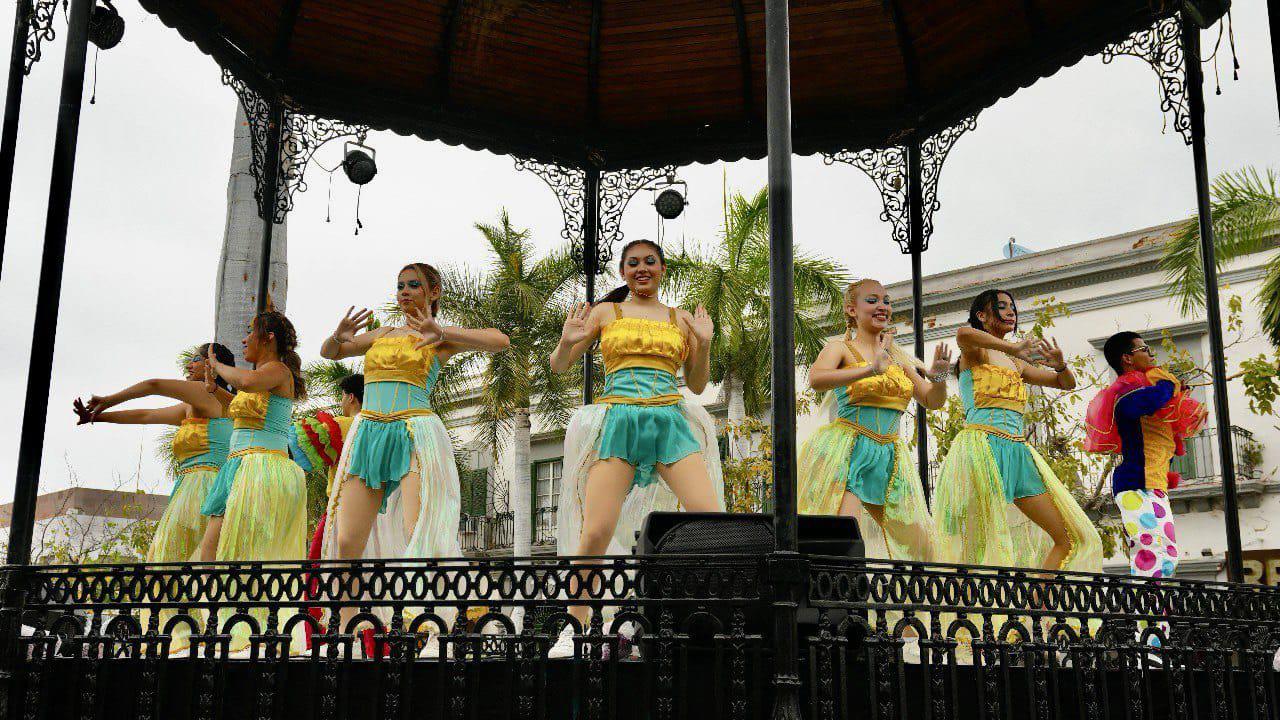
(859, 465)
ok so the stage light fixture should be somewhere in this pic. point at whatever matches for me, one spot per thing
(358, 163)
(106, 27)
(670, 200)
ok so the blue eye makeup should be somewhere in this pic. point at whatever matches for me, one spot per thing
(415, 284)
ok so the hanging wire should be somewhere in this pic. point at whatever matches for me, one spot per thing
(359, 190)
(328, 201)
(93, 97)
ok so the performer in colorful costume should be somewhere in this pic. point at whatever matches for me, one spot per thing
(990, 466)
(1145, 417)
(257, 507)
(641, 446)
(316, 445)
(396, 492)
(200, 447)
(859, 465)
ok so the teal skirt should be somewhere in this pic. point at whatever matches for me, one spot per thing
(1018, 473)
(645, 436)
(381, 454)
(215, 503)
(871, 463)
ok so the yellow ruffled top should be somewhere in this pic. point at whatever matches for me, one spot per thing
(890, 389)
(640, 342)
(395, 359)
(248, 410)
(997, 386)
(192, 439)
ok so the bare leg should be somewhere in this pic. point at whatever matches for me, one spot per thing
(608, 483)
(688, 479)
(1041, 511)
(208, 551)
(410, 499)
(352, 520)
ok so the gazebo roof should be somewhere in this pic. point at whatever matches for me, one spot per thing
(646, 82)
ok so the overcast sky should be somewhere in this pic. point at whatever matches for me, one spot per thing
(1079, 155)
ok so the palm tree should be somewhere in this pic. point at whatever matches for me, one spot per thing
(731, 279)
(1245, 210)
(527, 298)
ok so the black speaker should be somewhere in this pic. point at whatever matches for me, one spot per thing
(672, 533)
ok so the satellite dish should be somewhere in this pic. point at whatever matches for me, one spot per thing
(1013, 249)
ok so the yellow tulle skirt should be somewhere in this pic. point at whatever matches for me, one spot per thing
(907, 533)
(266, 519)
(976, 525)
(177, 539)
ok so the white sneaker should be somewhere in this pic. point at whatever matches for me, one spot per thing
(564, 645)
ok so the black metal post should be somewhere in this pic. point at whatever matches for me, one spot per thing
(590, 268)
(12, 111)
(267, 204)
(915, 226)
(1273, 17)
(787, 570)
(1221, 410)
(36, 407)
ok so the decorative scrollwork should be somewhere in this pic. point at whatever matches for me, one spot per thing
(1160, 46)
(933, 154)
(570, 187)
(302, 135)
(617, 187)
(887, 168)
(39, 30)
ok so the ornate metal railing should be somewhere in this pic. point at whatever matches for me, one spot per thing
(497, 532)
(671, 637)
(1201, 466)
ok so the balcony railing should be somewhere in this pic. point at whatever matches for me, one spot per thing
(480, 534)
(681, 637)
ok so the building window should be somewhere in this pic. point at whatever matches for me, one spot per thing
(546, 483)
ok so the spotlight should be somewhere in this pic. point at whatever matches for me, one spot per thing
(670, 201)
(358, 163)
(106, 27)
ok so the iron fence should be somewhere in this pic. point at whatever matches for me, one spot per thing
(497, 532)
(670, 637)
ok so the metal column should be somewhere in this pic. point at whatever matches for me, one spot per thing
(590, 267)
(12, 112)
(267, 203)
(36, 406)
(1221, 410)
(915, 219)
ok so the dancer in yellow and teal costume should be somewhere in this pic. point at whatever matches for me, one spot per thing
(642, 446)
(990, 467)
(859, 465)
(257, 507)
(396, 492)
(199, 445)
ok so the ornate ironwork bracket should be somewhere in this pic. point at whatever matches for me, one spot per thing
(302, 135)
(617, 187)
(39, 30)
(887, 168)
(1160, 46)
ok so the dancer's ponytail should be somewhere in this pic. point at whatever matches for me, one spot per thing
(271, 322)
(616, 295)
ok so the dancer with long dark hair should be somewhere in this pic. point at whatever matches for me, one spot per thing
(257, 507)
(396, 491)
(199, 445)
(641, 428)
(859, 465)
(990, 465)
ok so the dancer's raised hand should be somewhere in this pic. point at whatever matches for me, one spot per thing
(352, 322)
(941, 359)
(83, 415)
(702, 326)
(1025, 349)
(881, 361)
(576, 328)
(424, 323)
(1052, 354)
(210, 379)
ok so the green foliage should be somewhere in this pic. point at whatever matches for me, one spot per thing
(527, 297)
(748, 480)
(731, 279)
(1245, 212)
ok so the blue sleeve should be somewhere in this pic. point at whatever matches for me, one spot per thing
(1145, 401)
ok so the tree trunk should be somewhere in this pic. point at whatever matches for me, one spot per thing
(520, 499)
(736, 410)
(237, 290)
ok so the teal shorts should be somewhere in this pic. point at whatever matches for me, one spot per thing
(870, 468)
(645, 436)
(1018, 472)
